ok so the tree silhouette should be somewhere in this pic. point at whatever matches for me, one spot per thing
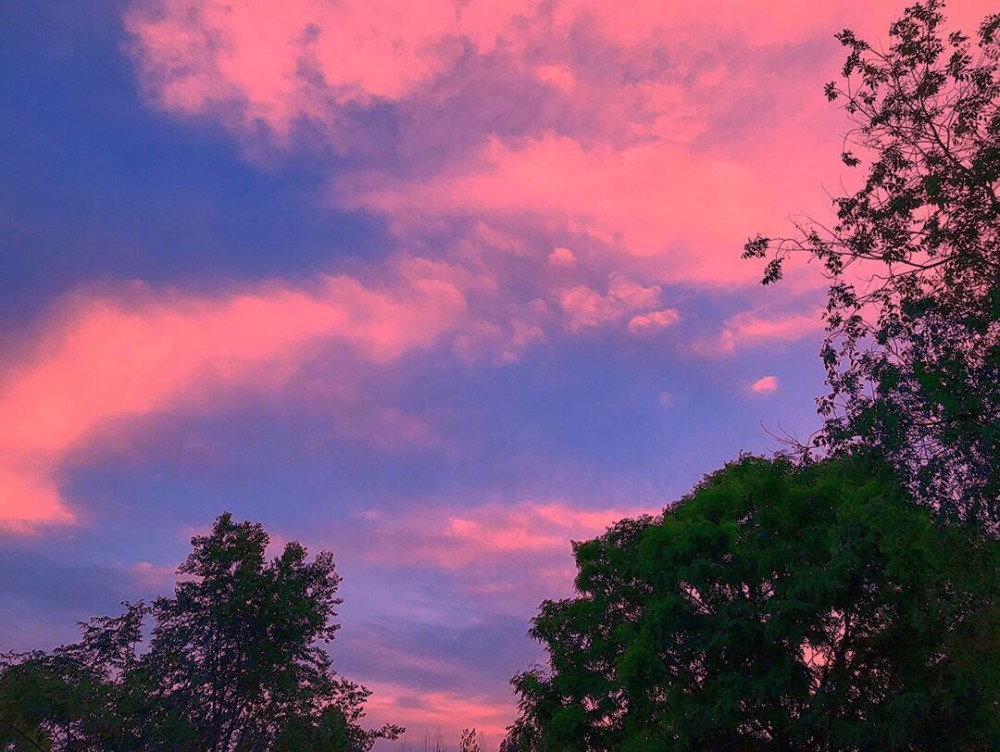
(234, 663)
(777, 607)
(470, 741)
(912, 351)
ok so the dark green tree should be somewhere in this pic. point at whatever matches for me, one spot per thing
(912, 351)
(235, 662)
(75, 696)
(777, 607)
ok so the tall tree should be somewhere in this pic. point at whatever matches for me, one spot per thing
(235, 662)
(912, 351)
(777, 607)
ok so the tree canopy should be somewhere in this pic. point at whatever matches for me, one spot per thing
(776, 607)
(912, 352)
(235, 662)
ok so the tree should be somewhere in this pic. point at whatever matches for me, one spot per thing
(777, 607)
(75, 697)
(234, 663)
(470, 741)
(912, 351)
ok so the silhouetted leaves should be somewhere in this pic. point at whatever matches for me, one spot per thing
(777, 607)
(912, 352)
(234, 663)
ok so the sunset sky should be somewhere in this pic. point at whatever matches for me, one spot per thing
(437, 285)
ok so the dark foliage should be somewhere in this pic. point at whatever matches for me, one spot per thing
(234, 664)
(777, 607)
(913, 314)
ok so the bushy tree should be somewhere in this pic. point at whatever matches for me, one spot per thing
(777, 607)
(913, 314)
(235, 662)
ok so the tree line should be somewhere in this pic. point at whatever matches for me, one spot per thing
(840, 596)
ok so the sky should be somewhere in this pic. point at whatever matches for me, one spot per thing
(436, 286)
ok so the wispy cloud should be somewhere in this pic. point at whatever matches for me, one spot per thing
(461, 538)
(761, 327)
(104, 358)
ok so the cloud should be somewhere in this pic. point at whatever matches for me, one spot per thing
(439, 712)
(585, 308)
(650, 134)
(106, 358)
(638, 133)
(277, 58)
(457, 539)
(647, 323)
(305, 57)
(765, 385)
(646, 201)
(755, 328)
(562, 257)
(152, 577)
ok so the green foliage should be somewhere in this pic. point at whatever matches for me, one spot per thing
(777, 607)
(913, 314)
(234, 663)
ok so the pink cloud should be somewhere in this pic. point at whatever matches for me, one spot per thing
(432, 712)
(507, 557)
(456, 539)
(755, 328)
(647, 323)
(628, 173)
(29, 496)
(765, 385)
(662, 133)
(302, 58)
(562, 257)
(105, 358)
(150, 576)
(502, 343)
(586, 308)
(633, 197)
(296, 59)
